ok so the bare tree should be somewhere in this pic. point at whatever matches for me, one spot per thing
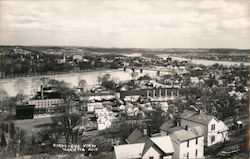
(134, 75)
(65, 124)
(45, 80)
(35, 84)
(82, 85)
(20, 85)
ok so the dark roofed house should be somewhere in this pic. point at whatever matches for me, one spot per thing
(166, 126)
(141, 146)
(134, 136)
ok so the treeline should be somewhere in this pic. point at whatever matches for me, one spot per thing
(36, 62)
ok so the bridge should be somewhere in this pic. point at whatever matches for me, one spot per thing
(141, 69)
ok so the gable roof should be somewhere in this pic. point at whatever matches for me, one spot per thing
(148, 144)
(197, 117)
(164, 143)
(174, 129)
(223, 126)
(129, 151)
(182, 135)
(134, 136)
(168, 124)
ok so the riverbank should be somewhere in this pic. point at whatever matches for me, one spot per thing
(91, 79)
(52, 74)
(204, 61)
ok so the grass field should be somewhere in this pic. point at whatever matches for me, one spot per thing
(33, 125)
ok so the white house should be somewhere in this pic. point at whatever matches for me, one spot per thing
(215, 131)
(103, 123)
(187, 144)
(92, 106)
(144, 147)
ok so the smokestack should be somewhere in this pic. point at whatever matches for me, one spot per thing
(42, 92)
(149, 130)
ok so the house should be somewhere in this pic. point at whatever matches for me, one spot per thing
(215, 131)
(92, 106)
(141, 146)
(166, 126)
(187, 144)
(194, 80)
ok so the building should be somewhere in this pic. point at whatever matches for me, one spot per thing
(141, 146)
(25, 111)
(215, 131)
(169, 127)
(187, 144)
(150, 93)
(47, 101)
(99, 96)
(91, 107)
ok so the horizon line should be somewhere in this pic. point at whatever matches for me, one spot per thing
(11, 45)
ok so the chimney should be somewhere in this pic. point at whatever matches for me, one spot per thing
(42, 92)
(149, 130)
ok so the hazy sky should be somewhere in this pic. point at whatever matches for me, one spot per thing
(126, 23)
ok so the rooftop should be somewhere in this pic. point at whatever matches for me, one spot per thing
(183, 135)
(161, 144)
(164, 143)
(168, 124)
(129, 150)
(174, 129)
(197, 117)
(134, 136)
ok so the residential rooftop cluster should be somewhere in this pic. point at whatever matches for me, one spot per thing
(165, 109)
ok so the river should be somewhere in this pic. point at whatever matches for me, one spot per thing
(92, 77)
(72, 78)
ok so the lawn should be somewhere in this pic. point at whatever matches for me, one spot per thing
(33, 125)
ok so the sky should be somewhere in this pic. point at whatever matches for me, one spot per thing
(126, 23)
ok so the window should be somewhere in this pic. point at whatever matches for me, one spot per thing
(186, 127)
(212, 139)
(213, 127)
(196, 141)
(187, 143)
(196, 153)
(151, 157)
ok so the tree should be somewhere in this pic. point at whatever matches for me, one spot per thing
(44, 80)
(12, 130)
(134, 75)
(65, 125)
(3, 94)
(67, 93)
(3, 141)
(20, 85)
(82, 85)
(107, 82)
(35, 84)
(156, 119)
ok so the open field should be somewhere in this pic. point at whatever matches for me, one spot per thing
(32, 125)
